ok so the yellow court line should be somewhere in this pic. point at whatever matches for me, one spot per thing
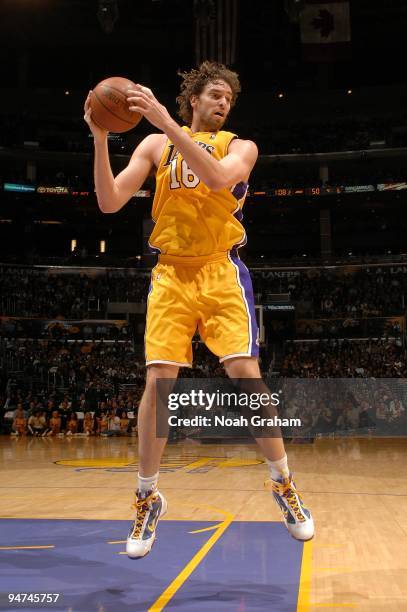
(212, 528)
(304, 591)
(198, 463)
(23, 547)
(170, 591)
(206, 528)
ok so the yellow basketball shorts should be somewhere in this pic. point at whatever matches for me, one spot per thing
(212, 294)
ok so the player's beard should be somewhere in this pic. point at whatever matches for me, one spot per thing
(211, 124)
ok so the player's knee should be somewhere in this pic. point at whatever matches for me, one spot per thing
(242, 367)
(160, 370)
(153, 389)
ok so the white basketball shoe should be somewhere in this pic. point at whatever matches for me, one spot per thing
(297, 517)
(150, 507)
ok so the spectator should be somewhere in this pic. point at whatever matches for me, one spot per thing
(88, 424)
(37, 423)
(19, 426)
(113, 423)
(103, 423)
(124, 423)
(72, 424)
(54, 424)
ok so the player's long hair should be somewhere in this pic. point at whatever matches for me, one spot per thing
(194, 81)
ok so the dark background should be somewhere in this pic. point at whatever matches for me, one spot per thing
(54, 51)
(63, 45)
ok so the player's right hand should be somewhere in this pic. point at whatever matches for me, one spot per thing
(97, 131)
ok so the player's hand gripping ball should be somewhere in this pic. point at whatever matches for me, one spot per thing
(109, 105)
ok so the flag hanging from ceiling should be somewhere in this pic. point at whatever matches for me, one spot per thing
(325, 30)
(215, 30)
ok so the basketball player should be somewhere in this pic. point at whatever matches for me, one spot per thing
(199, 281)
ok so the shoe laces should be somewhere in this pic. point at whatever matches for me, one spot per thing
(287, 489)
(142, 506)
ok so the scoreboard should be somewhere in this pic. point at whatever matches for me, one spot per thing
(306, 191)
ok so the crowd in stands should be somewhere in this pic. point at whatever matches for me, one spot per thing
(39, 416)
(60, 387)
(376, 327)
(380, 358)
(33, 292)
(91, 367)
(70, 388)
(339, 406)
(369, 292)
(37, 292)
(74, 388)
(64, 388)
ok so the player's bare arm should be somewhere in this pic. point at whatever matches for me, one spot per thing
(145, 157)
(234, 167)
(114, 192)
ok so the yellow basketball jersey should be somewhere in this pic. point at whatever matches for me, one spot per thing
(190, 219)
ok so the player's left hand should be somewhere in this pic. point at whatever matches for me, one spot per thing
(142, 100)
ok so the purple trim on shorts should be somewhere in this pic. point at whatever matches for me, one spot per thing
(154, 250)
(247, 287)
(239, 190)
(238, 214)
(236, 247)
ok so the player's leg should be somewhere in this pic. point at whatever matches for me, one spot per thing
(228, 327)
(150, 504)
(297, 517)
(170, 326)
(151, 447)
(248, 368)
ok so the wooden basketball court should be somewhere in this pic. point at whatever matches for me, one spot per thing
(66, 509)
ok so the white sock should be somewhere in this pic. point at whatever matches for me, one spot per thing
(147, 483)
(279, 469)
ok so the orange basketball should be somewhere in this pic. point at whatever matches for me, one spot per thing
(110, 109)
